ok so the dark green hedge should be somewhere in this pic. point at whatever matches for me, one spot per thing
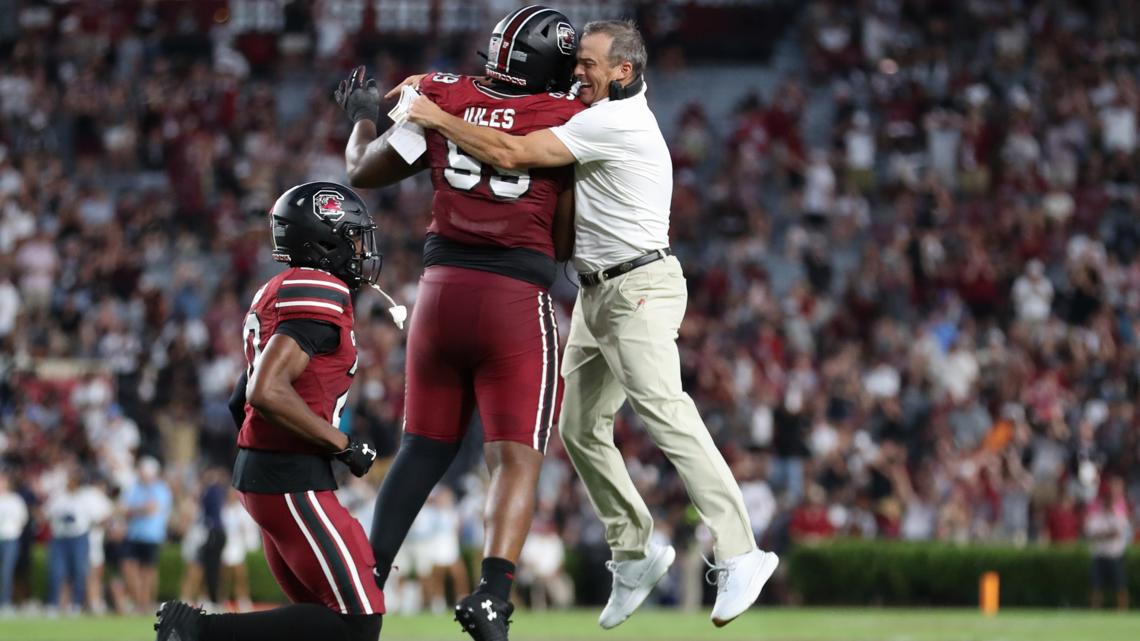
(846, 572)
(853, 572)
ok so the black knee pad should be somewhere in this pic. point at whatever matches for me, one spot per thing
(363, 627)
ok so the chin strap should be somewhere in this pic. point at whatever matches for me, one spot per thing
(399, 312)
(618, 92)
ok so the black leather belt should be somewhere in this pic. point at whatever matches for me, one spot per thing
(598, 277)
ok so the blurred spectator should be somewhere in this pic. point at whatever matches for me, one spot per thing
(113, 435)
(541, 563)
(70, 519)
(148, 506)
(204, 540)
(178, 430)
(1033, 294)
(1118, 122)
(1108, 530)
(215, 489)
(242, 538)
(820, 188)
(114, 547)
(758, 497)
(100, 508)
(429, 550)
(13, 517)
(1015, 487)
(810, 520)
(790, 426)
(437, 551)
(9, 303)
(1063, 520)
(191, 546)
(920, 513)
(38, 261)
(474, 488)
(956, 519)
(859, 145)
(22, 582)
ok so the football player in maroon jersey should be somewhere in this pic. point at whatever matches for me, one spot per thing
(301, 355)
(483, 332)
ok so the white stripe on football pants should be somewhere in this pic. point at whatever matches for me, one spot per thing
(542, 385)
(316, 551)
(343, 550)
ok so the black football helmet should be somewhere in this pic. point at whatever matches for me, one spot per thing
(534, 48)
(326, 226)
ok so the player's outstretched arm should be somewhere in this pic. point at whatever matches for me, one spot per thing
(270, 392)
(536, 149)
(369, 160)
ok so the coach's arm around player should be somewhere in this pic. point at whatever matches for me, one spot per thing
(371, 162)
(536, 149)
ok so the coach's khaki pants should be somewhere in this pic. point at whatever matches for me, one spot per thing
(623, 344)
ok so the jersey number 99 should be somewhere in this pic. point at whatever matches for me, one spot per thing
(465, 173)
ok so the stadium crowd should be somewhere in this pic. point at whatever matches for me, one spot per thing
(921, 323)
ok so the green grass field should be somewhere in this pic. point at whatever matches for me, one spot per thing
(776, 624)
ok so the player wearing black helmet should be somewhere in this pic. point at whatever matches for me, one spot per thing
(483, 333)
(301, 356)
(335, 233)
(533, 49)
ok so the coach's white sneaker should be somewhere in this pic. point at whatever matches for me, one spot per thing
(633, 581)
(738, 583)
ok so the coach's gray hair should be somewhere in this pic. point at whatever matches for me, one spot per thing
(627, 44)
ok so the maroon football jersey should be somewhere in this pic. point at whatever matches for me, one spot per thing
(479, 204)
(301, 293)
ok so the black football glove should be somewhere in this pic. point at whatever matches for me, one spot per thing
(359, 97)
(358, 456)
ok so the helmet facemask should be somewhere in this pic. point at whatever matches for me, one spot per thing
(326, 226)
(366, 261)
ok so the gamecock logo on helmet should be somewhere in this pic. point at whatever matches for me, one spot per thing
(567, 39)
(326, 205)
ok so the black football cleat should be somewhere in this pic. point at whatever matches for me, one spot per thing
(178, 621)
(485, 617)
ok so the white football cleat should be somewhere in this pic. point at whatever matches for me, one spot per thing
(738, 583)
(633, 581)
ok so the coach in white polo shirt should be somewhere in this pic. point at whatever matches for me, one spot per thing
(623, 334)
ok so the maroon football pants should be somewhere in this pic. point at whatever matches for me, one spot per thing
(317, 552)
(482, 339)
